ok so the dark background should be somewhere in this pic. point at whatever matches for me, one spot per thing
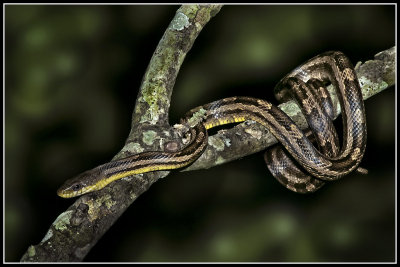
(72, 75)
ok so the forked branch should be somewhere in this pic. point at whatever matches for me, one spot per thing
(76, 231)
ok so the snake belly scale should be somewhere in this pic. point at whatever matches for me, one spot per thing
(297, 164)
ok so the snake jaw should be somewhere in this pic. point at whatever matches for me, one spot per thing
(80, 184)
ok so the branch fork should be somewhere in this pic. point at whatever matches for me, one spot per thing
(76, 231)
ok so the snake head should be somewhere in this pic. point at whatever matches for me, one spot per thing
(80, 184)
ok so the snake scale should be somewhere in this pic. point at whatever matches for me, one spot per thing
(303, 162)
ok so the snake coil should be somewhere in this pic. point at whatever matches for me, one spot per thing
(306, 168)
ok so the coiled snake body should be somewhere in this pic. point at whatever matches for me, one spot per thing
(306, 169)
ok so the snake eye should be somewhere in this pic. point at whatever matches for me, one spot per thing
(76, 187)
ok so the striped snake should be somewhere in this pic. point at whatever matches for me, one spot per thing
(301, 166)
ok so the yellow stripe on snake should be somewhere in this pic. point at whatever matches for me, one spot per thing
(306, 169)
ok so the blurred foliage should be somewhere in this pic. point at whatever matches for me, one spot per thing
(72, 74)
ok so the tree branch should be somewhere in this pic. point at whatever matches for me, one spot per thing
(154, 97)
(247, 138)
(76, 231)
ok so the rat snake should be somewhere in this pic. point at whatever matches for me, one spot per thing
(301, 166)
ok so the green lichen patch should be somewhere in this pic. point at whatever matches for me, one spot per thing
(132, 148)
(94, 206)
(370, 88)
(154, 94)
(132, 195)
(197, 117)
(108, 201)
(335, 100)
(149, 137)
(167, 133)
(31, 251)
(254, 133)
(179, 22)
(216, 142)
(290, 108)
(48, 235)
(220, 160)
(63, 220)
(227, 142)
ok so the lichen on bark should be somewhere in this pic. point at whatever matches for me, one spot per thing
(77, 230)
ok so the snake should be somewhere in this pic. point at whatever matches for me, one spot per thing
(302, 162)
